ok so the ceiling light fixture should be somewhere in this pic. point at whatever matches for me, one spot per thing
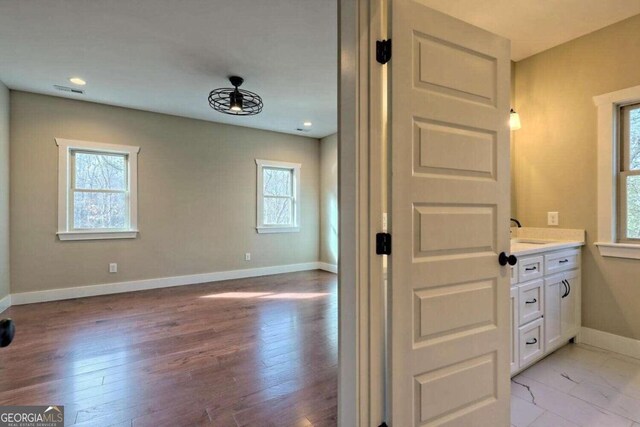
(307, 124)
(234, 101)
(514, 120)
(77, 81)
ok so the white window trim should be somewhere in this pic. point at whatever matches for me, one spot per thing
(608, 105)
(65, 146)
(260, 226)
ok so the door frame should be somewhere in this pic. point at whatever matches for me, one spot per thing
(361, 200)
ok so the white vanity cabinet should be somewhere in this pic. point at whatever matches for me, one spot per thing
(545, 304)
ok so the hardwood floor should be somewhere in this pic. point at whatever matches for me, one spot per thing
(251, 352)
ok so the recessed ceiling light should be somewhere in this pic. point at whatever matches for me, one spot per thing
(307, 124)
(77, 81)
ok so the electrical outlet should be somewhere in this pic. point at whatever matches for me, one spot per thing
(113, 267)
(552, 218)
(247, 256)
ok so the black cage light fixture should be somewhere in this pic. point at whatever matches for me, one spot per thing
(235, 101)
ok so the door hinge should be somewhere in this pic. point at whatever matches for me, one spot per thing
(383, 244)
(383, 51)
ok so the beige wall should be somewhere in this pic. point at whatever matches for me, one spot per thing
(4, 191)
(329, 199)
(197, 195)
(555, 158)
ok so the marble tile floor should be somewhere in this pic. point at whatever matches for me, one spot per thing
(578, 385)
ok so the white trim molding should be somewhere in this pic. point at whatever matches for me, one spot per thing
(5, 303)
(261, 227)
(164, 282)
(608, 105)
(619, 250)
(331, 268)
(97, 235)
(616, 343)
(65, 228)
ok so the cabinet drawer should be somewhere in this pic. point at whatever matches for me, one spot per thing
(514, 274)
(561, 261)
(530, 300)
(531, 342)
(530, 268)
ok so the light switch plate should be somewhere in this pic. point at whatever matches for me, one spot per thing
(552, 218)
(113, 267)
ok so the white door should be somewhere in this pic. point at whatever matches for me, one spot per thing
(449, 144)
(554, 291)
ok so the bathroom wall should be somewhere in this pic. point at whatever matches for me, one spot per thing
(555, 158)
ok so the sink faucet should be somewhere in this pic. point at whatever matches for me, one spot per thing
(517, 222)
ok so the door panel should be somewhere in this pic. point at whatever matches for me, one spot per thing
(554, 289)
(515, 341)
(569, 308)
(450, 326)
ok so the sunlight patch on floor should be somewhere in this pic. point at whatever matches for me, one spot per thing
(268, 295)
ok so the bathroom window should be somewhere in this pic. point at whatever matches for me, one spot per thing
(97, 186)
(629, 174)
(619, 173)
(278, 197)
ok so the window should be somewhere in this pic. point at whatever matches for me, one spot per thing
(629, 174)
(97, 190)
(278, 197)
(619, 173)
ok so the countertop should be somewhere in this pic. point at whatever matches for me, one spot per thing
(522, 247)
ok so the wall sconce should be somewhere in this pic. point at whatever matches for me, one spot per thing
(514, 120)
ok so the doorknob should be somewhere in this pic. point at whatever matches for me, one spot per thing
(505, 259)
(7, 331)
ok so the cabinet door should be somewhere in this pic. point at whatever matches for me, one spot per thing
(554, 289)
(515, 341)
(570, 309)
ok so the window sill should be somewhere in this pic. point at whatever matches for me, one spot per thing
(97, 235)
(619, 250)
(266, 230)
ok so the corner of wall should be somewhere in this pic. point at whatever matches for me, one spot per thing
(5, 108)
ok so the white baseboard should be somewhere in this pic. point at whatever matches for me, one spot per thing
(331, 268)
(164, 282)
(5, 303)
(611, 342)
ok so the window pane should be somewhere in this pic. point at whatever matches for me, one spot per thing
(633, 207)
(277, 182)
(277, 211)
(99, 210)
(634, 139)
(100, 171)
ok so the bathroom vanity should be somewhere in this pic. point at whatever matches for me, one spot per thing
(545, 292)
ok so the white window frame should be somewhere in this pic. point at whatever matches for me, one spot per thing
(261, 227)
(608, 172)
(65, 230)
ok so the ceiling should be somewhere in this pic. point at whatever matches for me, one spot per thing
(537, 25)
(167, 55)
